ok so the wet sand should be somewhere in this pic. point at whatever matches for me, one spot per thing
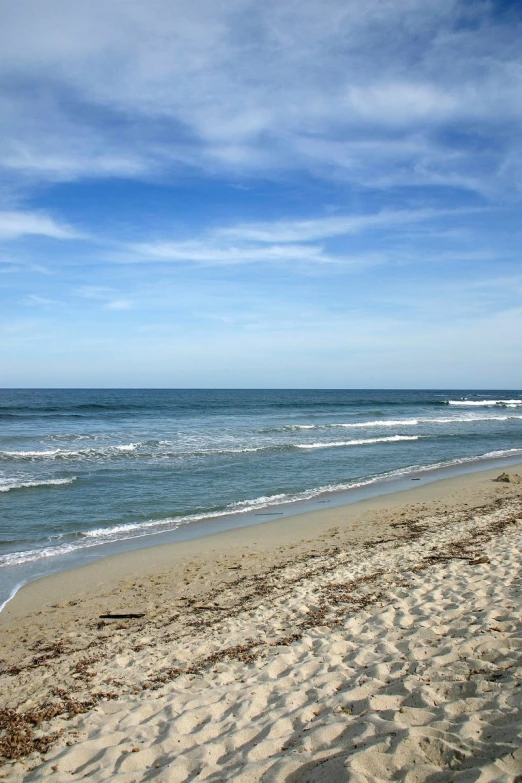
(351, 643)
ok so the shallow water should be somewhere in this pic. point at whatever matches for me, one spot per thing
(87, 472)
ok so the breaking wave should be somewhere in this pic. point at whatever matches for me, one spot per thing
(52, 454)
(486, 403)
(98, 536)
(361, 442)
(469, 418)
(7, 485)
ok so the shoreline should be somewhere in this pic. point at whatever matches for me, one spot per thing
(268, 534)
(378, 491)
(242, 611)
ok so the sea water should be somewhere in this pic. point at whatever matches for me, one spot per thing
(85, 473)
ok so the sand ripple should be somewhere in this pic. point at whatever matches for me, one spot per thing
(411, 671)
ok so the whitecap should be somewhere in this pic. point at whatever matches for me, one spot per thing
(133, 530)
(361, 442)
(382, 423)
(485, 403)
(68, 454)
(9, 484)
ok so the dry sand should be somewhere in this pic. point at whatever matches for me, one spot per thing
(373, 642)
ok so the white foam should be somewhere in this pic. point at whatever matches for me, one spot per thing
(50, 453)
(240, 507)
(12, 594)
(383, 423)
(210, 452)
(260, 502)
(129, 527)
(361, 442)
(9, 484)
(486, 403)
(32, 555)
(468, 418)
(68, 454)
(159, 449)
(116, 533)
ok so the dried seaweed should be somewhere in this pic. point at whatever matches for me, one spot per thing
(21, 731)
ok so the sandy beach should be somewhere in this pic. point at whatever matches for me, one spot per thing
(373, 642)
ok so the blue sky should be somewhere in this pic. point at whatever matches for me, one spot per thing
(323, 193)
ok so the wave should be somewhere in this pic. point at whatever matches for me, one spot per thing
(177, 406)
(470, 418)
(412, 422)
(124, 448)
(10, 484)
(293, 427)
(132, 449)
(383, 423)
(12, 594)
(333, 425)
(272, 439)
(169, 449)
(485, 403)
(361, 442)
(98, 536)
(90, 406)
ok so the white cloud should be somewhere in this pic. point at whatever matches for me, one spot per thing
(18, 224)
(50, 161)
(326, 227)
(120, 304)
(133, 89)
(282, 241)
(214, 252)
(106, 295)
(36, 300)
(94, 292)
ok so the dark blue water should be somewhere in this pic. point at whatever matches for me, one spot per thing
(82, 469)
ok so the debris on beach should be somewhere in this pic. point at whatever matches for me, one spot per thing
(509, 478)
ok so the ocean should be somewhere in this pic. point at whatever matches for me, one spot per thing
(86, 473)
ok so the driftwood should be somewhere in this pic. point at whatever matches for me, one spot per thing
(129, 616)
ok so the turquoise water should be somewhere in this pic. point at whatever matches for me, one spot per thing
(88, 472)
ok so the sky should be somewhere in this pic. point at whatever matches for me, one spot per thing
(277, 194)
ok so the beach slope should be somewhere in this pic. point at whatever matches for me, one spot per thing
(368, 643)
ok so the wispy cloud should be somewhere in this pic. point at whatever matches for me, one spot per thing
(389, 92)
(345, 174)
(213, 251)
(288, 241)
(108, 297)
(18, 224)
(120, 304)
(328, 227)
(34, 300)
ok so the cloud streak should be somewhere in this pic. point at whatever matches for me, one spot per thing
(292, 241)
(215, 252)
(345, 174)
(380, 92)
(328, 227)
(15, 224)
